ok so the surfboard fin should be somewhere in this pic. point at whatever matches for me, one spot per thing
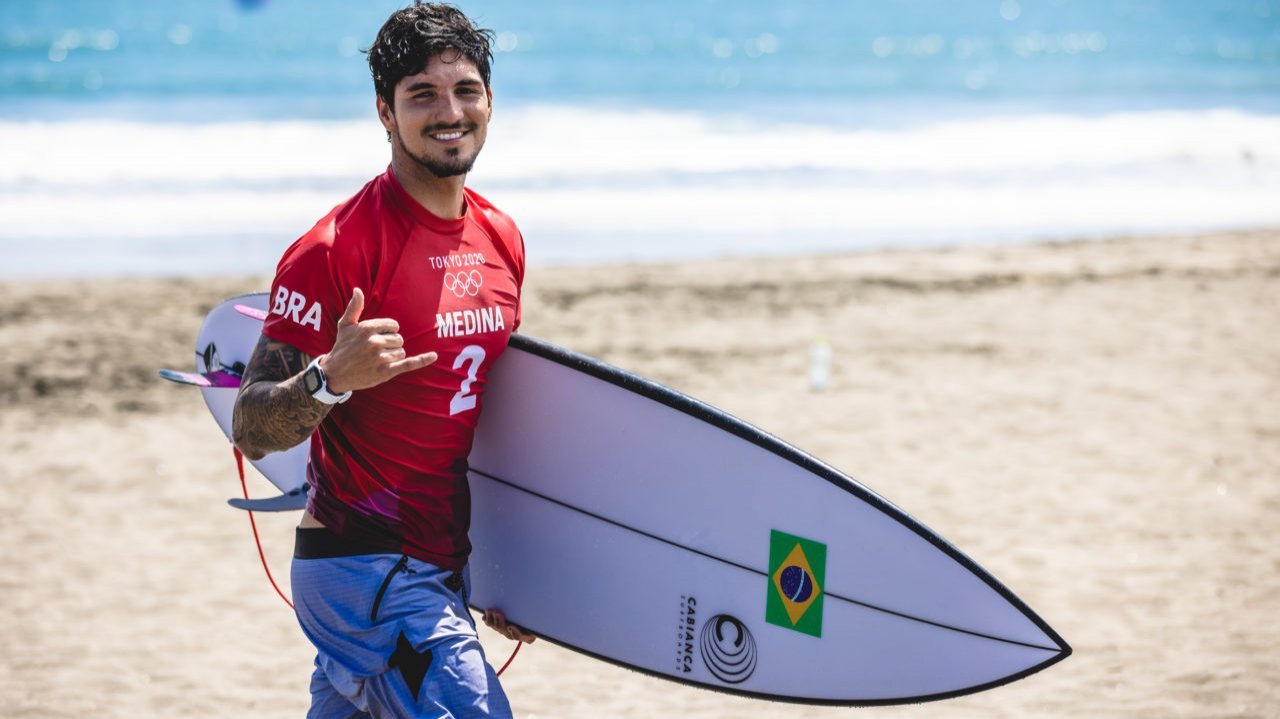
(217, 378)
(287, 502)
(253, 312)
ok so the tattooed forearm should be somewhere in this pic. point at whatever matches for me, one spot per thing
(273, 410)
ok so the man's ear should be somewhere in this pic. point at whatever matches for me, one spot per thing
(385, 114)
(489, 92)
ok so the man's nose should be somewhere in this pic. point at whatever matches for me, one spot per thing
(449, 109)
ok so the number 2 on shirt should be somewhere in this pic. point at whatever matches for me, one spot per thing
(463, 400)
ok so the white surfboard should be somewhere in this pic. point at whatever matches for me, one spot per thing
(223, 346)
(630, 522)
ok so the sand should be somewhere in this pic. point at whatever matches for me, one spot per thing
(1097, 423)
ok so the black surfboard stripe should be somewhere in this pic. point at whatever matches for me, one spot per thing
(753, 570)
(722, 420)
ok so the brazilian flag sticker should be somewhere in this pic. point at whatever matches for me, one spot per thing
(797, 570)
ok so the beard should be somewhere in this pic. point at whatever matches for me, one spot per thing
(452, 165)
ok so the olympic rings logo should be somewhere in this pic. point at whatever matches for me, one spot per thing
(464, 283)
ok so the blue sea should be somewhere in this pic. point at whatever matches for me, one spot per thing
(202, 136)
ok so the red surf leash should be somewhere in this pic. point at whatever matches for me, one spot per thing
(244, 488)
(511, 658)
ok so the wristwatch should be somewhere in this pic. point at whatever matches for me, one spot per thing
(317, 385)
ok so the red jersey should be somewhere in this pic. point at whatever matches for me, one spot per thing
(388, 467)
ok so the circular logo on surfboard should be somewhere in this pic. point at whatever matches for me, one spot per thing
(728, 649)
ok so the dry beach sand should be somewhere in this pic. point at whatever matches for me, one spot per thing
(1096, 423)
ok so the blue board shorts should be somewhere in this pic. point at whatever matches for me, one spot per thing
(393, 634)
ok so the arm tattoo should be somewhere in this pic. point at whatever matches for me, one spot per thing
(273, 410)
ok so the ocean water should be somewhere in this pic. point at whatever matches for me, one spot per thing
(202, 136)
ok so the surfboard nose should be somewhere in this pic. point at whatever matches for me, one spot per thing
(904, 658)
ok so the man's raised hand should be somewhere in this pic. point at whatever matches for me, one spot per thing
(367, 353)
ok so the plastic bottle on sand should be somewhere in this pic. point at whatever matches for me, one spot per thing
(819, 365)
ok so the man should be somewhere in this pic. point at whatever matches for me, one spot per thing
(359, 353)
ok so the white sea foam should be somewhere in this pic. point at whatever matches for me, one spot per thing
(589, 184)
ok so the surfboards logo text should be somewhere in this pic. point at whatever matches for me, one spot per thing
(684, 633)
(797, 571)
(462, 323)
(289, 304)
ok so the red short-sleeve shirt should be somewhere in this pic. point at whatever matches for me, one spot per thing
(388, 467)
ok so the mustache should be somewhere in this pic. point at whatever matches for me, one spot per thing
(455, 127)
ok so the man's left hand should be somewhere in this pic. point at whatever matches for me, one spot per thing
(497, 621)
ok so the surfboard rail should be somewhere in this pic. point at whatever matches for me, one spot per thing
(724, 421)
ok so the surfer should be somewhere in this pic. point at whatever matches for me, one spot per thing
(385, 319)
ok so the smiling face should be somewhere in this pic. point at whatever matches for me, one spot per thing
(440, 116)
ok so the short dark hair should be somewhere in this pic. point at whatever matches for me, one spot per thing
(414, 35)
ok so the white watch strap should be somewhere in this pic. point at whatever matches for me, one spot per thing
(322, 393)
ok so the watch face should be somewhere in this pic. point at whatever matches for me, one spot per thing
(311, 380)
